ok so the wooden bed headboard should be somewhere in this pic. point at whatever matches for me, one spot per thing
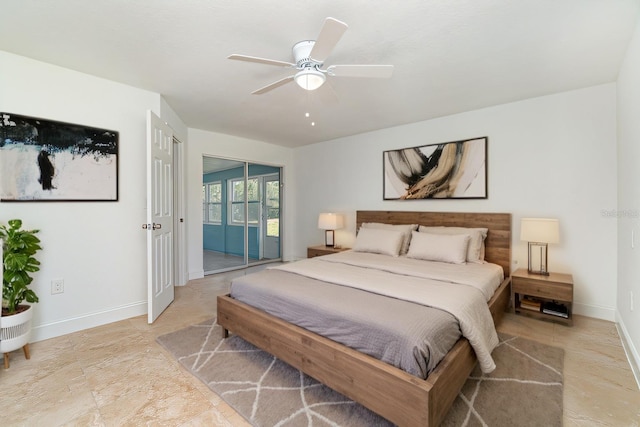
(497, 243)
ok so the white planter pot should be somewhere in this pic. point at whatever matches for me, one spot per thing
(15, 330)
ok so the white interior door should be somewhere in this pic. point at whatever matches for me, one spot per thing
(159, 216)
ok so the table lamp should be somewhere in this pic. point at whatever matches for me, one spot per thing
(539, 232)
(330, 222)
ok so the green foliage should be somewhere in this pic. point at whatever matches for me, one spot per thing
(19, 249)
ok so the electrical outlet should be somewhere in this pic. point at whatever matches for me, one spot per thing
(57, 286)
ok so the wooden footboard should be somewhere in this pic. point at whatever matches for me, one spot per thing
(404, 399)
(401, 398)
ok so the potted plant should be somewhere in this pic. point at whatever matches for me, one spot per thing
(18, 249)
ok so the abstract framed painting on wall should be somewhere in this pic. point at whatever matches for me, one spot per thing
(44, 160)
(450, 170)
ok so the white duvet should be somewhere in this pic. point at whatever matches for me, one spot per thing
(461, 290)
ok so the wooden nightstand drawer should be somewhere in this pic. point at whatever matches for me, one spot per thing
(314, 251)
(551, 290)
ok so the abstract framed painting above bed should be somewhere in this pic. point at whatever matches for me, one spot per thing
(401, 397)
(449, 170)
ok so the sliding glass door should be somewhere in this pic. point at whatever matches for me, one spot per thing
(271, 217)
(241, 214)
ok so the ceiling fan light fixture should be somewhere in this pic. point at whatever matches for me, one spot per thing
(309, 57)
(310, 78)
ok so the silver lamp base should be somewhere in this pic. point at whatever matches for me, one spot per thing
(542, 270)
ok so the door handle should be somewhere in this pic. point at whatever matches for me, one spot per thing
(151, 227)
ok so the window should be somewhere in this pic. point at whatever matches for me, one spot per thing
(236, 201)
(272, 188)
(212, 203)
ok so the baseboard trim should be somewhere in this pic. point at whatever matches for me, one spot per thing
(595, 311)
(90, 320)
(193, 275)
(630, 350)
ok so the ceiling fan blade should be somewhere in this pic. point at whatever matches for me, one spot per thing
(373, 71)
(330, 34)
(260, 60)
(272, 86)
(327, 94)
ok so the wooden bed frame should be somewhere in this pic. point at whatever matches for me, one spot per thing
(400, 397)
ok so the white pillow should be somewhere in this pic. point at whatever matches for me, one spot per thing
(405, 228)
(475, 251)
(379, 241)
(450, 248)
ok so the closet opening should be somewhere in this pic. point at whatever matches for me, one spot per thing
(241, 213)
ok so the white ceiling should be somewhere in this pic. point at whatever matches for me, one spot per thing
(450, 56)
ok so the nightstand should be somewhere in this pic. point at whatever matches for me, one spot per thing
(534, 295)
(313, 251)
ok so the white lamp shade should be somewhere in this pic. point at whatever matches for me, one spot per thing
(309, 79)
(540, 230)
(330, 221)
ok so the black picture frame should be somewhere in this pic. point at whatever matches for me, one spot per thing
(50, 161)
(448, 170)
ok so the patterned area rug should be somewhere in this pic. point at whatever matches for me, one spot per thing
(524, 390)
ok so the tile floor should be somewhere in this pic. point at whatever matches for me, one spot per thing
(216, 262)
(117, 374)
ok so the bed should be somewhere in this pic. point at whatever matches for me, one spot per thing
(408, 399)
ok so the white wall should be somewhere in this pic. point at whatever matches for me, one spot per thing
(553, 156)
(236, 148)
(180, 130)
(98, 248)
(629, 197)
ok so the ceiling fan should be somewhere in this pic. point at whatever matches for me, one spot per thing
(309, 56)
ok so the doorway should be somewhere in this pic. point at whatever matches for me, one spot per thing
(241, 214)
